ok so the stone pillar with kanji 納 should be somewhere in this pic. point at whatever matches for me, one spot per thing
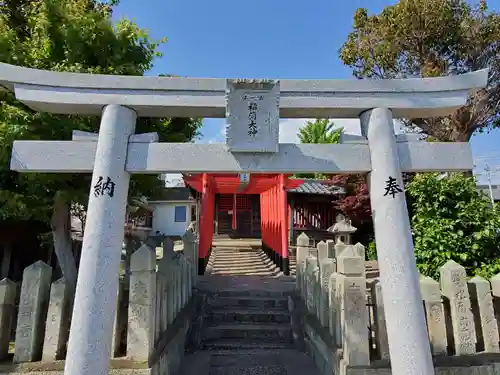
(89, 345)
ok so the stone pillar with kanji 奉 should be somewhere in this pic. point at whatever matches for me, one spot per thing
(410, 352)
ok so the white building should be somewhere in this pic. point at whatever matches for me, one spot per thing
(174, 211)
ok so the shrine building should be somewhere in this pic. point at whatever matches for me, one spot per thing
(273, 207)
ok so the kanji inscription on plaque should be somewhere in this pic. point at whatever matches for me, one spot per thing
(252, 114)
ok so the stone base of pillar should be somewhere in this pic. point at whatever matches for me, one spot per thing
(277, 259)
(285, 266)
(268, 251)
(203, 262)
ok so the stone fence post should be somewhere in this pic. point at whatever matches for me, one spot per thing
(322, 249)
(310, 284)
(58, 318)
(120, 323)
(32, 314)
(169, 268)
(495, 291)
(327, 268)
(301, 255)
(436, 325)
(351, 295)
(454, 287)
(141, 319)
(8, 289)
(191, 253)
(380, 324)
(480, 292)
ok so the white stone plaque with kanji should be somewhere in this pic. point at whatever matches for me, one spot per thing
(252, 115)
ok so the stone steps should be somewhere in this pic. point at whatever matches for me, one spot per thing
(258, 369)
(239, 317)
(252, 361)
(257, 302)
(273, 332)
(243, 345)
(262, 362)
(246, 272)
(247, 328)
(240, 261)
(233, 315)
(243, 265)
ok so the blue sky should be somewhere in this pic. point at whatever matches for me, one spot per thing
(263, 39)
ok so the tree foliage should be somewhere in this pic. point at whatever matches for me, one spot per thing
(453, 220)
(72, 36)
(356, 203)
(430, 38)
(319, 131)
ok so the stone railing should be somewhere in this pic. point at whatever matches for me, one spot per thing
(150, 326)
(343, 320)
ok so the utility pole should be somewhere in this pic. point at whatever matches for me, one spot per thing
(488, 171)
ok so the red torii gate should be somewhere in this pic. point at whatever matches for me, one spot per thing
(274, 210)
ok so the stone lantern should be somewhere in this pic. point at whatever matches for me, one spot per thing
(342, 229)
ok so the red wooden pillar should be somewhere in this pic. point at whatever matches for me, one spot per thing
(269, 224)
(206, 222)
(266, 223)
(263, 219)
(275, 227)
(269, 210)
(234, 219)
(283, 211)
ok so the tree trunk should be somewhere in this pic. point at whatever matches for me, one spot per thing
(61, 233)
(6, 260)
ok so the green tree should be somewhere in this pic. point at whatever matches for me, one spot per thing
(356, 203)
(74, 36)
(453, 220)
(319, 131)
(429, 38)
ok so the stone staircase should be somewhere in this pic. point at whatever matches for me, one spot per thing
(246, 322)
(247, 329)
(240, 261)
(249, 363)
(254, 319)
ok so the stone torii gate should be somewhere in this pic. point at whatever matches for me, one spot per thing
(253, 109)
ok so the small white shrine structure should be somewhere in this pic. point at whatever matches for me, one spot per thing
(252, 109)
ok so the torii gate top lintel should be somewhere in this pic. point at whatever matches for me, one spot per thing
(252, 143)
(79, 93)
